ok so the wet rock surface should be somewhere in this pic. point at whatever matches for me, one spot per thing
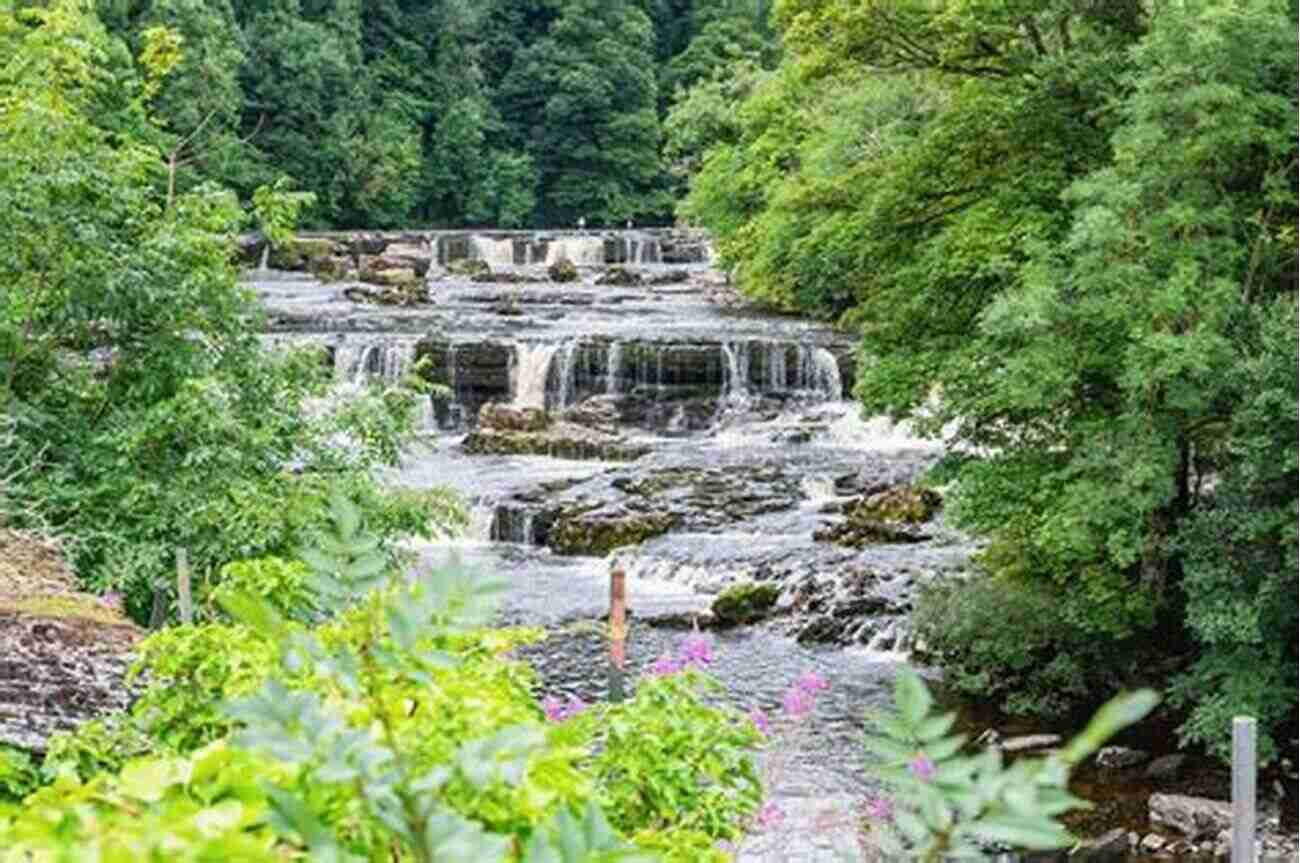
(63, 654)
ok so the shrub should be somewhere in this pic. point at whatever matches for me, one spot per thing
(98, 746)
(1007, 641)
(281, 583)
(946, 805)
(18, 774)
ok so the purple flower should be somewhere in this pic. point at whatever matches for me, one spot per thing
(759, 718)
(665, 664)
(811, 682)
(922, 768)
(113, 600)
(696, 649)
(880, 808)
(558, 711)
(770, 815)
(797, 703)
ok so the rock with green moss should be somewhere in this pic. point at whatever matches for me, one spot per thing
(906, 504)
(63, 653)
(619, 277)
(469, 267)
(302, 254)
(563, 270)
(746, 602)
(598, 534)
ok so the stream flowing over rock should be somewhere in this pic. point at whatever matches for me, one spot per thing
(639, 416)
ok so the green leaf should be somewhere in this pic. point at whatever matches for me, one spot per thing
(911, 697)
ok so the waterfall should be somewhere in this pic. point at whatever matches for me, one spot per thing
(613, 360)
(531, 367)
(646, 250)
(266, 255)
(497, 253)
(776, 371)
(828, 380)
(737, 357)
(568, 379)
(582, 251)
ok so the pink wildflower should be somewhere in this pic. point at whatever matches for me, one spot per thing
(665, 664)
(558, 711)
(797, 703)
(880, 808)
(553, 708)
(811, 683)
(696, 649)
(770, 815)
(922, 767)
(759, 718)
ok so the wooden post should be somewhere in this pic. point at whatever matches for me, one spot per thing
(183, 600)
(617, 632)
(1243, 789)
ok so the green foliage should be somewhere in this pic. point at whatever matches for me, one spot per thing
(98, 746)
(944, 804)
(1065, 233)
(276, 209)
(190, 671)
(1009, 642)
(18, 775)
(278, 582)
(210, 806)
(670, 760)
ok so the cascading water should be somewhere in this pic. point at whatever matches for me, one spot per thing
(497, 253)
(613, 361)
(565, 393)
(828, 377)
(737, 358)
(531, 368)
(582, 251)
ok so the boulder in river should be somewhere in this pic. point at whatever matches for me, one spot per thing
(303, 254)
(598, 534)
(563, 270)
(63, 653)
(560, 440)
(468, 267)
(619, 276)
(1193, 817)
(748, 602)
(502, 417)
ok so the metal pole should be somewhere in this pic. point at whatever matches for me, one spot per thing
(617, 632)
(1243, 789)
(183, 601)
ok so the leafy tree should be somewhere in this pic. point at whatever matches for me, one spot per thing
(586, 96)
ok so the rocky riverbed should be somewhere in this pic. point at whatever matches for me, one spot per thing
(605, 400)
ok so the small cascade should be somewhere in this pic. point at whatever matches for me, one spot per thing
(482, 515)
(893, 639)
(530, 370)
(737, 357)
(266, 256)
(613, 362)
(583, 251)
(567, 389)
(510, 525)
(818, 489)
(776, 370)
(384, 359)
(647, 250)
(497, 253)
(827, 374)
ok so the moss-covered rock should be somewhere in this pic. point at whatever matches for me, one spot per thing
(563, 270)
(619, 277)
(747, 602)
(907, 504)
(301, 254)
(470, 267)
(591, 534)
(561, 440)
(495, 415)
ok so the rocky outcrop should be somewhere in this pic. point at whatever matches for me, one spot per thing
(894, 515)
(63, 654)
(619, 276)
(563, 270)
(304, 254)
(502, 417)
(558, 440)
(1191, 817)
(744, 603)
(390, 288)
(598, 533)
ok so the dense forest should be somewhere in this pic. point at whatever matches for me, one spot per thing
(439, 113)
(1067, 234)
